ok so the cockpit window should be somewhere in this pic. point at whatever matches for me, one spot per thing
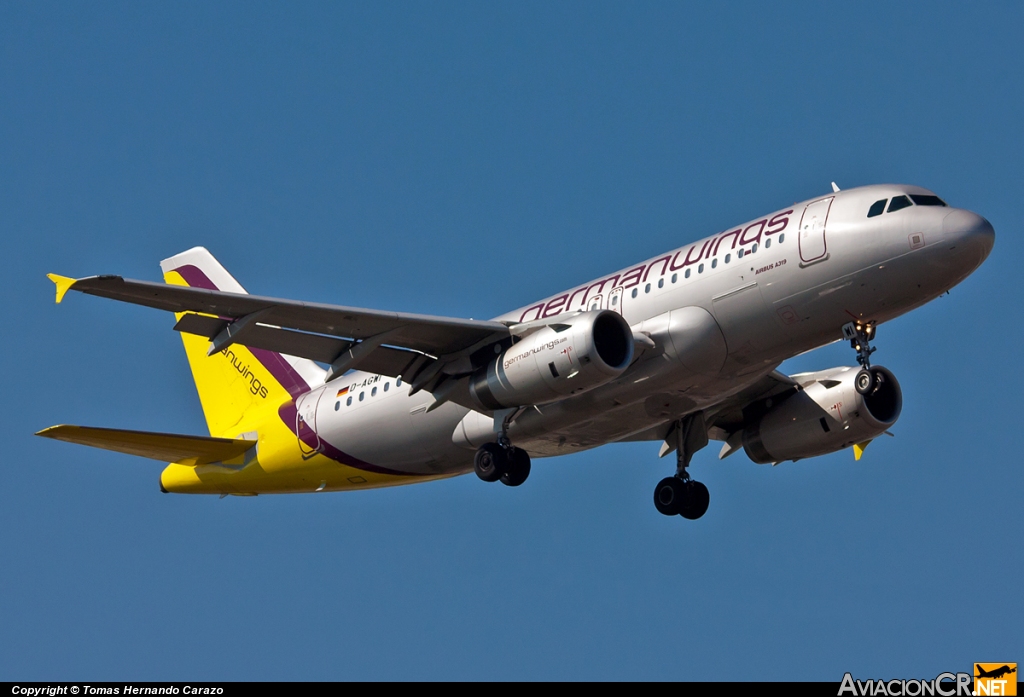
(877, 208)
(925, 200)
(898, 203)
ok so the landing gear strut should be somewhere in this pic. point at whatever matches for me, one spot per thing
(681, 495)
(860, 335)
(501, 460)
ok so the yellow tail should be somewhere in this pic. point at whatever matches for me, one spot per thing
(239, 388)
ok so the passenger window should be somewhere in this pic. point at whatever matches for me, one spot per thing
(674, 277)
(398, 382)
(386, 386)
(687, 274)
(727, 258)
(337, 405)
(754, 248)
(634, 292)
(782, 238)
(877, 208)
(700, 269)
(714, 263)
(661, 282)
(348, 402)
(899, 203)
(739, 254)
(373, 392)
(923, 200)
(361, 395)
(647, 288)
(768, 243)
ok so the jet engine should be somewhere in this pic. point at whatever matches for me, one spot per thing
(556, 361)
(826, 415)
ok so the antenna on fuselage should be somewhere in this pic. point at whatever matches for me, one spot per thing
(835, 188)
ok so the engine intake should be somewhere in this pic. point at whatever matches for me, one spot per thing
(827, 415)
(556, 361)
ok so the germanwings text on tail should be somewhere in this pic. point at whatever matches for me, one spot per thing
(680, 349)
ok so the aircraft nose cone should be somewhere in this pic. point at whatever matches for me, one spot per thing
(970, 230)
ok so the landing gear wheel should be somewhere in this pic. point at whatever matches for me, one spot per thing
(668, 496)
(518, 468)
(864, 382)
(695, 500)
(490, 462)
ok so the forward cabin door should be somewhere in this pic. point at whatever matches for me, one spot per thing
(812, 231)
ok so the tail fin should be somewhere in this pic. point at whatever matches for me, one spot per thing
(238, 387)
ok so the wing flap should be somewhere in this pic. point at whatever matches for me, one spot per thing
(166, 447)
(383, 360)
(312, 346)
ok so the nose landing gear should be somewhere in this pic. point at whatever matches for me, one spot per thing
(860, 335)
(679, 494)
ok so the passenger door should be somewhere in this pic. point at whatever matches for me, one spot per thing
(812, 232)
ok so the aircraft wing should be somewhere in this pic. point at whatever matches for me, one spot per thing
(388, 343)
(724, 420)
(166, 447)
(726, 417)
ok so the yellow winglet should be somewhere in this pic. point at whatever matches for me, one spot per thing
(63, 284)
(858, 449)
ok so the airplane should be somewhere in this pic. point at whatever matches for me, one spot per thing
(995, 673)
(679, 349)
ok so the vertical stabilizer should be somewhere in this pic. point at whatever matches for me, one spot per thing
(238, 387)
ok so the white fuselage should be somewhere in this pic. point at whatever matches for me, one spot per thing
(747, 298)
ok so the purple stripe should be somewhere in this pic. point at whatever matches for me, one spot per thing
(282, 371)
(288, 412)
(275, 363)
(290, 380)
(195, 277)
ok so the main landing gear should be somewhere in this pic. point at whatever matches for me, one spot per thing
(680, 495)
(860, 335)
(495, 462)
(502, 460)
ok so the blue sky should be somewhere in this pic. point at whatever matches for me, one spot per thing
(466, 159)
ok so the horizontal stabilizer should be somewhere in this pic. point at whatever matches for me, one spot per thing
(166, 447)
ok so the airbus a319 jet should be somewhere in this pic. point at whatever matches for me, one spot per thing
(682, 349)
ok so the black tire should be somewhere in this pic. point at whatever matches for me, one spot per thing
(518, 468)
(864, 382)
(490, 462)
(668, 496)
(695, 500)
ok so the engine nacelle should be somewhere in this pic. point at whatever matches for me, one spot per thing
(827, 415)
(556, 361)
